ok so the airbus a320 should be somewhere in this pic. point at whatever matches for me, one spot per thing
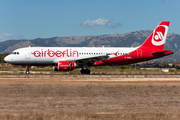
(69, 58)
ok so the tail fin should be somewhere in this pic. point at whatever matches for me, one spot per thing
(157, 38)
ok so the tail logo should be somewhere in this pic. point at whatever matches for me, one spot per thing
(159, 35)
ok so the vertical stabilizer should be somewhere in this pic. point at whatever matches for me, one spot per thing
(157, 38)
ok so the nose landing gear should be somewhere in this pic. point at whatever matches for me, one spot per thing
(27, 70)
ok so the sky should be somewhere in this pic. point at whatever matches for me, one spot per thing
(30, 19)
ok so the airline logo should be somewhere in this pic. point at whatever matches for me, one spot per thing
(58, 53)
(158, 35)
(116, 53)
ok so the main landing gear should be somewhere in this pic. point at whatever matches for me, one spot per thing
(27, 70)
(85, 71)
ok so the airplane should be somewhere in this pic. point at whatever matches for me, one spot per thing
(69, 58)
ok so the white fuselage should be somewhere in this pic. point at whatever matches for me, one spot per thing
(51, 55)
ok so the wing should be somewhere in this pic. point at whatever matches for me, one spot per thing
(85, 59)
(92, 59)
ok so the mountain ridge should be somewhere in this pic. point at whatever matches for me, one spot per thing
(130, 39)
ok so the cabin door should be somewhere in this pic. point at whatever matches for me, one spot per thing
(27, 54)
(139, 53)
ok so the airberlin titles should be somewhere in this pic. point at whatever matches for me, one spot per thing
(57, 53)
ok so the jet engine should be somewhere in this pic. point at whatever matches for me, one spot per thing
(65, 66)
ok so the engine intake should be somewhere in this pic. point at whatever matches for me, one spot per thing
(65, 66)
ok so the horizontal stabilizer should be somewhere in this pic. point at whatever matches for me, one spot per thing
(160, 52)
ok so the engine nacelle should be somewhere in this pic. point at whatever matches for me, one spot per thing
(65, 66)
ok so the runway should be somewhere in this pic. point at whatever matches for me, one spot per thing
(95, 78)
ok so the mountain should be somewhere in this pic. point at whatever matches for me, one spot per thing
(130, 39)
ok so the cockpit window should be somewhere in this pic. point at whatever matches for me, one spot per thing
(15, 53)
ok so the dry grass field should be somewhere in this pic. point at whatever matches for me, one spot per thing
(88, 98)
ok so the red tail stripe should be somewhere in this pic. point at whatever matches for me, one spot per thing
(165, 23)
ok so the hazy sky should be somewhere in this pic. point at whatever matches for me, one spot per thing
(29, 19)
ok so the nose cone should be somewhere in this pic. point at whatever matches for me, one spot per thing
(7, 59)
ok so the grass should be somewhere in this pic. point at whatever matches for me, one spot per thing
(94, 70)
(15, 71)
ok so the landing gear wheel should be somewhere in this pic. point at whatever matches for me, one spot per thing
(27, 71)
(82, 71)
(87, 71)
